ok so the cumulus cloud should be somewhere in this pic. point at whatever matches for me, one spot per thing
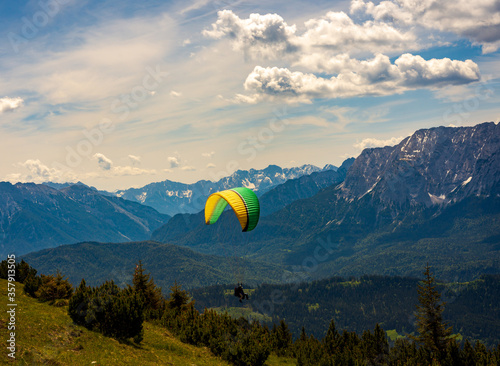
(260, 36)
(269, 36)
(188, 168)
(477, 20)
(371, 142)
(9, 104)
(37, 172)
(175, 94)
(210, 165)
(136, 160)
(377, 76)
(337, 31)
(173, 162)
(327, 46)
(103, 161)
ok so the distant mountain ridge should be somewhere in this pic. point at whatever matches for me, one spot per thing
(173, 197)
(36, 216)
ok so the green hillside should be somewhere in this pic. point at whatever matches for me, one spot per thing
(45, 335)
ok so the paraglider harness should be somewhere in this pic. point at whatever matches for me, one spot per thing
(238, 292)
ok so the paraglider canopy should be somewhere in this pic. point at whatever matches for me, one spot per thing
(243, 201)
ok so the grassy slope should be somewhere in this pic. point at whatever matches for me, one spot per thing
(45, 335)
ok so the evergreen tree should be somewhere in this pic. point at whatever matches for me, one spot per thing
(178, 297)
(23, 270)
(283, 339)
(78, 304)
(150, 294)
(434, 334)
(331, 338)
(32, 284)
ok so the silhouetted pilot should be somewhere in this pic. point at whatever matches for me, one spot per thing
(238, 292)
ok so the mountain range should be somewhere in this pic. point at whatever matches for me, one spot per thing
(173, 197)
(434, 197)
(36, 216)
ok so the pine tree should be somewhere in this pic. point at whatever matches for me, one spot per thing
(32, 284)
(78, 304)
(283, 339)
(178, 297)
(149, 293)
(434, 334)
(331, 338)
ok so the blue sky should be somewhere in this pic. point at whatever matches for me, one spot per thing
(123, 93)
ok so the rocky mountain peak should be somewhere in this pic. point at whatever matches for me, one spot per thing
(432, 166)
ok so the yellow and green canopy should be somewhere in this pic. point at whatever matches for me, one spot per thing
(243, 201)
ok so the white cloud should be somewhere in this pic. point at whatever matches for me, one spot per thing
(103, 161)
(372, 142)
(9, 104)
(360, 78)
(37, 172)
(477, 20)
(173, 162)
(260, 36)
(210, 165)
(136, 160)
(336, 31)
(188, 168)
(326, 46)
(269, 36)
(208, 155)
(175, 94)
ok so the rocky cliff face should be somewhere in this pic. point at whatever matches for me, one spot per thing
(174, 197)
(434, 166)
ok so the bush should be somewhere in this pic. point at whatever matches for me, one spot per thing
(107, 309)
(53, 288)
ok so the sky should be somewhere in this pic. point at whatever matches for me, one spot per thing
(121, 93)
